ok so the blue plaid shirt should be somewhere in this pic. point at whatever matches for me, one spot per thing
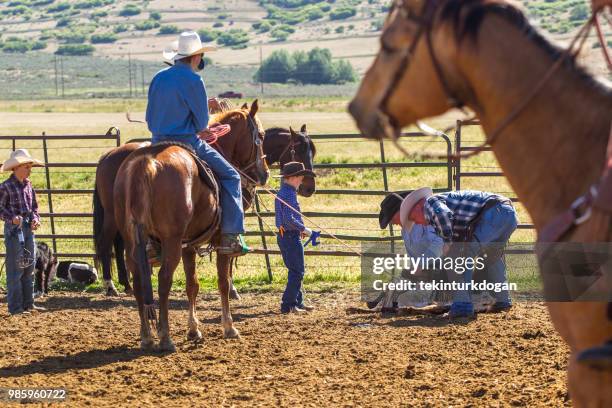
(451, 213)
(285, 216)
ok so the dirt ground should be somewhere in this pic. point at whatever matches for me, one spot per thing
(89, 344)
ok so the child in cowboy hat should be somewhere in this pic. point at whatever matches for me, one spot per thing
(291, 231)
(19, 210)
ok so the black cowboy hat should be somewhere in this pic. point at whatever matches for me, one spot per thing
(295, 169)
(389, 206)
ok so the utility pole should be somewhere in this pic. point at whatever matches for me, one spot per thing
(260, 64)
(144, 94)
(55, 69)
(130, 71)
(62, 74)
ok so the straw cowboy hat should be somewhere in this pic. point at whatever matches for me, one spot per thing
(409, 202)
(19, 157)
(188, 44)
(295, 169)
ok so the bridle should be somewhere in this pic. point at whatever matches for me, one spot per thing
(290, 148)
(425, 25)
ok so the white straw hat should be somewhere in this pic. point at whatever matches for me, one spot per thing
(19, 157)
(409, 202)
(188, 44)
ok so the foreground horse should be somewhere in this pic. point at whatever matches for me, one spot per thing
(278, 145)
(158, 193)
(484, 54)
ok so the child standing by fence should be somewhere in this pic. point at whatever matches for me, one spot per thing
(291, 230)
(19, 211)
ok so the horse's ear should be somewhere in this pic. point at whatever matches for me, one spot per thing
(303, 129)
(245, 106)
(254, 108)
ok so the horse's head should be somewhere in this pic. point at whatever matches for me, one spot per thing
(285, 145)
(243, 146)
(415, 74)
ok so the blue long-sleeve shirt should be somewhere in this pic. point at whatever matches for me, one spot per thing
(178, 104)
(285, 216)
(422, 240)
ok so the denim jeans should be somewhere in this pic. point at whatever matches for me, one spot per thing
(19, 281)
(292, 251)
(491, 234)
(232, 214)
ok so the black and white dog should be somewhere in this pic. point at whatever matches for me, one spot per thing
(45, 268)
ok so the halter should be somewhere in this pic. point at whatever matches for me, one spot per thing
(291, 147)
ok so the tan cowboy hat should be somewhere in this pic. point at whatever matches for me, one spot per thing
(188, 44)
(19, 157)
(409, 202)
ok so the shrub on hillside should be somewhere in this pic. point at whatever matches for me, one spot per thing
(208, 35)
(63, 22)
(87, 4)
(99, 14)
(233, 37)
(218, 24)
(146, 25)
(168, 29)
(129, 10)
(15, 11)
(38, 45)
(154, 15)
(75, 49)
(120, 28)
(71, 37)
(103, 38)
(56, 8)
(342, 13)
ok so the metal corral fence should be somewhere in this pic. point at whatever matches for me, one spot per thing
(68, 207)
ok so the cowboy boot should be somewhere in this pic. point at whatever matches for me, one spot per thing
(232, 245)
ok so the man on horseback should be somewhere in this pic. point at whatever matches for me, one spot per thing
(177, 111)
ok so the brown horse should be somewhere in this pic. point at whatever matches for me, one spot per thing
(159, 193)
(277, 146)
(484, 54)
(106, 234)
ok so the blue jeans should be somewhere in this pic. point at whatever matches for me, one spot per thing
(491, 235)
(292, 251)
(232, 214)
(19, 281)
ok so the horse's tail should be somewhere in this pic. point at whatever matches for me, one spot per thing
(141, 172)
(98, 224)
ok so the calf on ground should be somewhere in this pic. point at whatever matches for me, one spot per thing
(44, 270)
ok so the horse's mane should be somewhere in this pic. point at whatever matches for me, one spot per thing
(467, 17)
(227, 116)
(276, 130)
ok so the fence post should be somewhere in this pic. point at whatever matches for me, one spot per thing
(49, 195)
(263, 237)
(386, 185)
(458, 160)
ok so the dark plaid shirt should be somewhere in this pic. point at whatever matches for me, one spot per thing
(17, 198)
(451, 213)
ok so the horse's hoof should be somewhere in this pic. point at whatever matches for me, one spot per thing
(194, 336)
(146, 345)
(128, 291)
(112, 292)
(167, 346)
(234, 294)
(231, 333)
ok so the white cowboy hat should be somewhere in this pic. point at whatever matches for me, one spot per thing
(188, 44)
(19, 157)
(409, 202)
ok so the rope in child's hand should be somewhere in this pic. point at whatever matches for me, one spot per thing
(267, 190)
